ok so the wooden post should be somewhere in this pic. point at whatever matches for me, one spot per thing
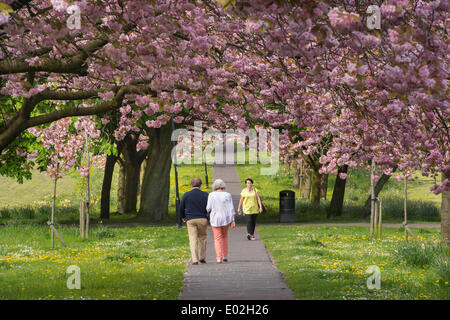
(86, 228)
(300, 178)
(287, 169)
(372, 199)
(52, 219)
(405, 222)
(88, 193)
(405, 215)
(52, 227)
(380, 230)
(82, 219)
(375, 217)
(206, 170)
(408, 230)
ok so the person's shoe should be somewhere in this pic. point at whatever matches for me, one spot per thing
(225, 259)
(253, 237)
(249, 237)
(219, 261)
(195, 263)
(202, 261)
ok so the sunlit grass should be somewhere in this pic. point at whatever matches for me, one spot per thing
(423, 205)
(31, 201)
(331, 263)
(120, 263)
(185, 175)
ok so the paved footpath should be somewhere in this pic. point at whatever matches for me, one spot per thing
(229, 175)
(249, 273)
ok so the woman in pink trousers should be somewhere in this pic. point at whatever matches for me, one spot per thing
(221, 217)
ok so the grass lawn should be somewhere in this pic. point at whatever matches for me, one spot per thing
(38, 189)
(331, 262)
(148, 262)
(185, 175)
(33, 197)
(30, 202)
(115, 263)
(423, 205)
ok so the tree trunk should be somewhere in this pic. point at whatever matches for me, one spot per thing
(156, 182)
(132, 161)
(315, 187)
(121, 189)
(287, 167)
(305, 186)
(378, 187)
(445, 213)
(132, 175)
(337, 199)
(296, 180)
(141, 177)
(106, 186)
(323, 186)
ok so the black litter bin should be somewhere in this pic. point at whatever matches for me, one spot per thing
(287, 206)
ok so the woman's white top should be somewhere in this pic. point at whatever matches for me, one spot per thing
(221, 208)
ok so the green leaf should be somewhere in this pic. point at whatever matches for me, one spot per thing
(226, 3)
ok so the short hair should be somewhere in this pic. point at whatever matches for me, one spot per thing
(196, 182)
(218, 184)
(248, 179)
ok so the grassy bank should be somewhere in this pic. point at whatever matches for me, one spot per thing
(149, 262)
(115, 263)
(422, 205)
(331, 262)
(30, 202)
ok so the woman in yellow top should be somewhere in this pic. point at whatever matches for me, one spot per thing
(251, 207)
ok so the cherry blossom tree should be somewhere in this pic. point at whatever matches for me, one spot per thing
(358, 95)
(388, 87)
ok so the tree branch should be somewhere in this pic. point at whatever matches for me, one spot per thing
(74, 64)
